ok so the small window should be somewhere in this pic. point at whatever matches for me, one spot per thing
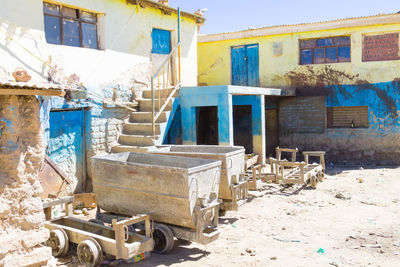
(161, 40)
(347, 117)
(70, 26)
(325, 50)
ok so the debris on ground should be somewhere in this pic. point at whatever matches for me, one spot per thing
(343, 195)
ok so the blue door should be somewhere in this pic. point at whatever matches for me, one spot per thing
(66, 144)
(245, 65)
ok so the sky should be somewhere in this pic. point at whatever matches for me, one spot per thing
(234, 15)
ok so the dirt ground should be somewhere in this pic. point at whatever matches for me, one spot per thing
(307, 227)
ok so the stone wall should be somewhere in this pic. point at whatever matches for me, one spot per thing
(21, 153)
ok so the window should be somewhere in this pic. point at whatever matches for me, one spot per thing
(347, 117)
(161, 41)
(70, 26)
(325, 50)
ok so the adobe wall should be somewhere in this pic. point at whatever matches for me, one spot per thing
(21, 154)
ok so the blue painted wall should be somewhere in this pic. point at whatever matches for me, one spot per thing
(221, 96)
(98, 125)
(377, 144)
(382, 99)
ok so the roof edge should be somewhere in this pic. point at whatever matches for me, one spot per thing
(166, 9)
(303, 27)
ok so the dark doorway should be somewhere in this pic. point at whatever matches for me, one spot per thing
(242, 127)
(271, 131)
(207, 125)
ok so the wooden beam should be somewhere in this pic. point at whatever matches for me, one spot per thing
(46, 92)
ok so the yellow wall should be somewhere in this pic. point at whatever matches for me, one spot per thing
(214, 60)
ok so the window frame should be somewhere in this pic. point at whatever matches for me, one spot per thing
(329, 113)
(324, 48)
(152, 41)
(79, 19)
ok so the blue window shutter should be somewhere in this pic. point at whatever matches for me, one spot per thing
(161, 40)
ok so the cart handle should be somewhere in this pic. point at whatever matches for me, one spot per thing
(126, 232)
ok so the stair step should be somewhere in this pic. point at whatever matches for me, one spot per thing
(137, 140)
(141, 128)
(146, 105)
(147, 117)
(123, 148)
(164, 93)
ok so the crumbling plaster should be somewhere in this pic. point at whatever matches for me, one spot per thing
(21, 155)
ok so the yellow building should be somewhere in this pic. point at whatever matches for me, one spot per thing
(344, 74)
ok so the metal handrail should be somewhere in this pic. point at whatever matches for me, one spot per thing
(167, 61)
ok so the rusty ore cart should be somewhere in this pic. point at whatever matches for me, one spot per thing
(234, 187)
(180, 194)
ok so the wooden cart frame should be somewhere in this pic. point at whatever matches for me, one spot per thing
(97, 238)
(239, 196)
(203, 234)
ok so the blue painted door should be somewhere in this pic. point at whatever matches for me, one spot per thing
(66, 146)
(245, 65)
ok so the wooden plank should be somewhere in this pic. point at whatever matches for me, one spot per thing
(47, 92)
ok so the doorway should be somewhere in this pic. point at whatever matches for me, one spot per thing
(243, 127)
(207, 125)
(271, 131)
(67, 143)
(245, 65)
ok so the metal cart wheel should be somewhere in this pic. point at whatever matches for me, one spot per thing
(89, 252)
(163, 239)
(58, 241)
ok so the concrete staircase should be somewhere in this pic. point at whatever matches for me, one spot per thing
(137, 133)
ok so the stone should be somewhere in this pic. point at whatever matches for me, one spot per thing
(343, 195)
(21, 75)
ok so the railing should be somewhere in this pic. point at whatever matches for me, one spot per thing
(168, 68)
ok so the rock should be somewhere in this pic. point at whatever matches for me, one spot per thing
(334, 263)
(77, 212)
(283, 228)
(85, 211)
(360, 180)
(343, 195)
(21, 75)
(273, 258)
(252, 254)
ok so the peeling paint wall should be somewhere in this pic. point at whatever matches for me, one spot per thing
(21, 155)
(120, 70)
(302, 121)
(279, 64)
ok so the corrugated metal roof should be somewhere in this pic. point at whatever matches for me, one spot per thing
(298, 27)
(31, 88)
(31, 85)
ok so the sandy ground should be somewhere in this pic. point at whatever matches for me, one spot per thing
(308, 227)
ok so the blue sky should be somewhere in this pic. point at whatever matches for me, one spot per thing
(233, 15)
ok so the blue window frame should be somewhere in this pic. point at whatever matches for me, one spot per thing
(161, 40)
(70, 26)
(325, 50)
